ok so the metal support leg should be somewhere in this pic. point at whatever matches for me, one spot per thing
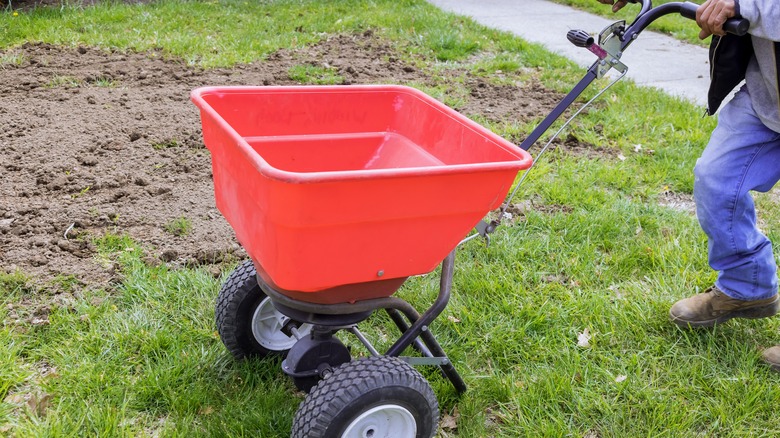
(403, 327)
(419, 327)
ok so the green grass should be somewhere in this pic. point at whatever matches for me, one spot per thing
(180, 226)
(63, 82)
(170, 143)
(311, 74)
(12, 59)
(122, 362)
(597, 250)
(72, 82)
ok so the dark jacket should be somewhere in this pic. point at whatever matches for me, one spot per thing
(755, 57)
(729, 59)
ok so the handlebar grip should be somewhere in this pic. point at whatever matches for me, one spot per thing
(580, 38)
(737, 26)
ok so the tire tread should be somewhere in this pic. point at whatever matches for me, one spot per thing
(348, 383)
(240, 284)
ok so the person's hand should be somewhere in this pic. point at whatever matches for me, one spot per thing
(712, 14)
(616, 5)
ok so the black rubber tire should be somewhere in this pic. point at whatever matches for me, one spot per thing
(360, 385)
(236, 303)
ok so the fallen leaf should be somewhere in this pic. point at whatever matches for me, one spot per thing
(583, 339)
(15, 399)
(38, 403)
(592, 434)
(40, 321)
(616, 290)
(453, 319)
(450, 422)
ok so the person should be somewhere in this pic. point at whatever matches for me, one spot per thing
(743, 154)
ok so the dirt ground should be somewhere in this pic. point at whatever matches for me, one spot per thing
(95, 142)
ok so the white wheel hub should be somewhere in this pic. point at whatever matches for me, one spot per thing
(267, 323)
(385, 421)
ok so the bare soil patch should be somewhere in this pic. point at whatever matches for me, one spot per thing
(96, 142)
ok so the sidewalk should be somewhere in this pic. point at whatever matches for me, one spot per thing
(654, 59)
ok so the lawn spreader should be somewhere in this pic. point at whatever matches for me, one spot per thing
(335, 193)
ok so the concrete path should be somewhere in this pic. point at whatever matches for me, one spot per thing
(654, 59)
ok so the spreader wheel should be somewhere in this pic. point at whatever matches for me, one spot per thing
(247, 321)
(369, 398)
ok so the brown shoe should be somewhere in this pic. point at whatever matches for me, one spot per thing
(714, 307)
(772, 357)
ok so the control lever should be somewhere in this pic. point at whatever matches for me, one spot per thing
(608, 60)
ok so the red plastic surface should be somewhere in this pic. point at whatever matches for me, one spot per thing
(334, 185)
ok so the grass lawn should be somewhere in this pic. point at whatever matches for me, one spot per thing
(559, 327)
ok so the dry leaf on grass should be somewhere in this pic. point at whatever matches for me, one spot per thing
(592, 434)
(38, 403)
(15, 399)
(450, 422)
(583, 339)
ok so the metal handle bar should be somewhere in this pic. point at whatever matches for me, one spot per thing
(615, 38)
(648, 14)
(627, 35)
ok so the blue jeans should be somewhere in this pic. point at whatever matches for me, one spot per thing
(742, 155)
